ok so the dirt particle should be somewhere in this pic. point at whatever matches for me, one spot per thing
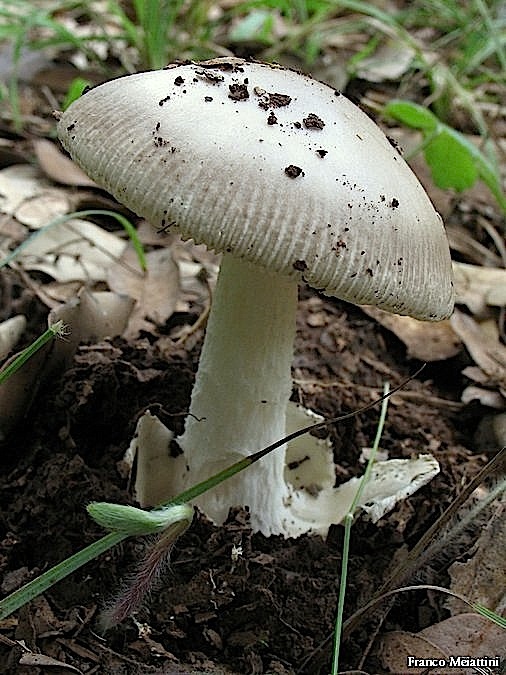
(312, 121)
(394, 144)
(293, 171)
(296, 463)
(322, 153)
(238, 92)
(163, 100)
(274, 100)
(71, 126)
(179, 81)
(272, 119)
(300, 265)
(394, 203)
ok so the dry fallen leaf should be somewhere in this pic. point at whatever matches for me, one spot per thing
(155, 292)
(389, 62)
(424, 340)
(482, 578)
(477, 286)
(19, 183)
(485, 350)
(58, 166)
(73, 250)
(461, 635)
(43, 661)
(10, 332)
(488, 397)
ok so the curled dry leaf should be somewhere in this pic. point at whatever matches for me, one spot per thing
(74, 250)
(155, 291)
(424, 341)
(488, 397)
(10, 332)
(477, 286)
(58, 166)
(485, 349)
(19, 183)
(390, 62)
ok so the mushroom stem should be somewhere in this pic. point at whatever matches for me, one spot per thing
(242, 389)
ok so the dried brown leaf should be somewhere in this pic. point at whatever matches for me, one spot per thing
(478, 287)
(460, 635)
(58, 166)
(486, 350)
(425, 341)
(155, 292)
(482, 578)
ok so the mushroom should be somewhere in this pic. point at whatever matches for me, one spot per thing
(291, 182)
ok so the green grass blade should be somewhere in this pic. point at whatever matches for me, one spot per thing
(489, 614)
(348, 522)
(41, 584)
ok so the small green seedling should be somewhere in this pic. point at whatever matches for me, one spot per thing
(454, 161)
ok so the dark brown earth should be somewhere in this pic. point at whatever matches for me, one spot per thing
(268, 609)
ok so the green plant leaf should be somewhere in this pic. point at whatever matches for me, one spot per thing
(412, 115)
(450, 162)
(75, 90)
(486, 169)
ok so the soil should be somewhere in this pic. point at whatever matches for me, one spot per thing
(230, 601)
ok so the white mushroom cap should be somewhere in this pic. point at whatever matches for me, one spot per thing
(273, 167)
